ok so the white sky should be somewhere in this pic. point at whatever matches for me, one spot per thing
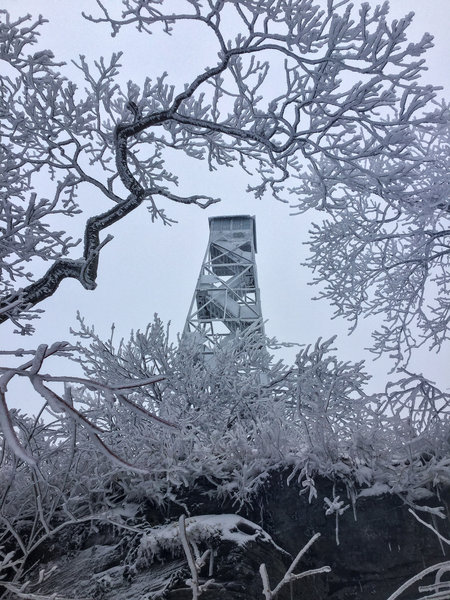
(149, 268)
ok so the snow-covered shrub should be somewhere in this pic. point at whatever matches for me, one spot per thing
(226, 423)
(242, 414)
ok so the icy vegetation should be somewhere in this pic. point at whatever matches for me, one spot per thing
(321, 106)
(231, 422)
(318, 105)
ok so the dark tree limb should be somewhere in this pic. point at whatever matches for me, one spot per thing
(83, 269)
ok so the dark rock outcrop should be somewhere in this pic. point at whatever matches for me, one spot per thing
(378, 546)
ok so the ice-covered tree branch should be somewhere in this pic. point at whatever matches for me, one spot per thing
(64, 404)
(290, 576)
(280, 101)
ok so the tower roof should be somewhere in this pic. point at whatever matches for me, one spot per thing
(235, 223)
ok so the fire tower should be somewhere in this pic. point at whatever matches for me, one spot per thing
(226, 298)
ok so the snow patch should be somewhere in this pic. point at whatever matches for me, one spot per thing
(210, 529)
(377, 489)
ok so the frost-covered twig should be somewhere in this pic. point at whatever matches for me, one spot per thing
(20, 591)
(290, 576)
(440, 567)
(31, 370)
(433, 529)
(440, 589)
(195, 563)
(31, 596)
(336, 507)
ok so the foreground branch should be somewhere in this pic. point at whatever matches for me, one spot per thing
(290, 576)
(83, 269)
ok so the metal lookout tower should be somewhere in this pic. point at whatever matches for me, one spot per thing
(226, 299)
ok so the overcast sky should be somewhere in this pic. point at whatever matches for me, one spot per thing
(149, 268)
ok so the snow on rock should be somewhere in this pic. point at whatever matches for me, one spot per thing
(157, 566)
(210, 529)
(377, 553)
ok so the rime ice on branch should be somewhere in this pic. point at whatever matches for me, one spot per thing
(348, 124)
